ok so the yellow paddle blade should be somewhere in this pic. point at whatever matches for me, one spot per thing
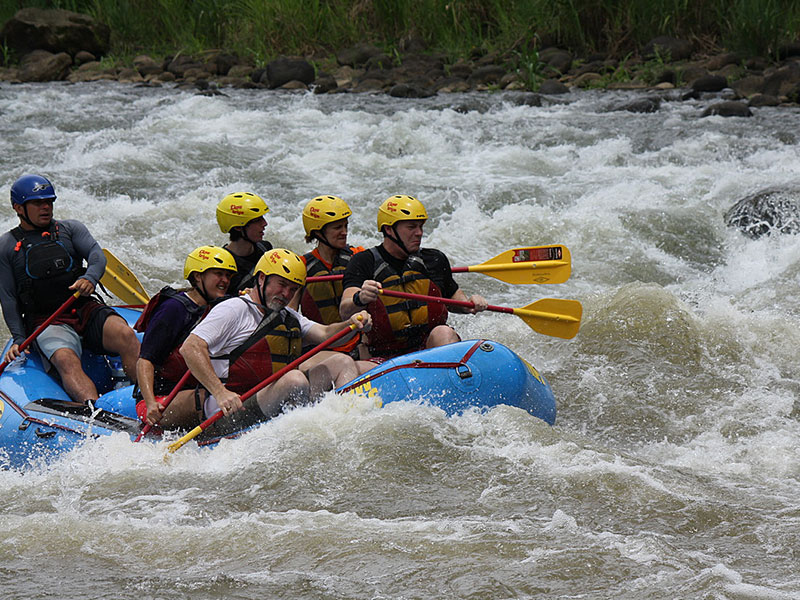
(535, 264)
(551, 316)
(186, 438)
(120, 281)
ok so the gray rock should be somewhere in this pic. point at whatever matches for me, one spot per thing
(668, 48)
(551, 86)
(782, 80)
(709, 83)
(56, 31)
(486, 75)
(41, 65)
(146, 65)
(379, 62)
(358, 55)
(722, 60)
(83, 57)
(766, 212)
(325, 84)
(180, 64)
(557, 59)
(283, 70)
(729, 108)
(403, 90)
(526, 99)
(763, 100)
(748, 86)
(641, 105)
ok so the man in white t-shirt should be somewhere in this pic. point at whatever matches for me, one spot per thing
(243, 340)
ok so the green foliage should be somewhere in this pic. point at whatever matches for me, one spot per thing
(530, 68)
(265, 28)
(760, 27)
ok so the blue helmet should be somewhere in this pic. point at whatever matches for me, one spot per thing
(32, 187)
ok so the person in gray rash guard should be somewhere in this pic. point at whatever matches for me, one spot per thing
(41, 265)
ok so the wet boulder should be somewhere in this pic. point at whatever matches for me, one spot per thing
(358, 55)
(551, 86)
(647, 104)
(668, 48)
(728, 108)
(41, 65)
(560, 61)
(56, 31)
(766, 212)
(710, 83)
(282, 70)
(486, 75)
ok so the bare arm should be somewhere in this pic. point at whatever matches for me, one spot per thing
(479, 302)
(145, 375)
(319, 333)
(195, 352)
(367, 293)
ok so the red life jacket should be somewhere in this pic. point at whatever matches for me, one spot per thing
(275, 343)
(402, 325)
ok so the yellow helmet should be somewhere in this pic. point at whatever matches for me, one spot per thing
(285, 263)
(400, 208)
(208, 257)
(323, 210)
(237, 210)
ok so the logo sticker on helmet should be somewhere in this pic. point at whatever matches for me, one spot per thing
(275, 257)
(237, 209)
(314, 212)
(391, 206)
(204, 254)
(40, 186)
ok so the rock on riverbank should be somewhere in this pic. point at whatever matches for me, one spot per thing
(55, 45)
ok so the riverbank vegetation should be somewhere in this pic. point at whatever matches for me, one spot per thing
(264, 29)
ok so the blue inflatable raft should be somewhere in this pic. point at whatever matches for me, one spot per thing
(38, 421)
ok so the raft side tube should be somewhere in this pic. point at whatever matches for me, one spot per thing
(460, 376)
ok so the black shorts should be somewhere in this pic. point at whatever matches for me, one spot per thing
(92, 336)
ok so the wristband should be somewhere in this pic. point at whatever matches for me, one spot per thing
(357, 299)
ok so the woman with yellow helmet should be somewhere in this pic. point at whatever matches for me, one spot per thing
(241, 216)
(166, 322)
(400, 264)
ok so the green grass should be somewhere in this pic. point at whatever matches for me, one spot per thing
(266, 28)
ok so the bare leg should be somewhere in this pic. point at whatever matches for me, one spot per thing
(290, 390)
(76, 383)
(182, 411)
(441, 335)
(329, 370)
(119, 338)
(364, 365)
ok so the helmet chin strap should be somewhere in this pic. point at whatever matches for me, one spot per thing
(24, 217)
(396, 239)
(262, 292)
(203, 293)
(317, 235)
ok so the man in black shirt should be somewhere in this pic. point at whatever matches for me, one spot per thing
(401, 325)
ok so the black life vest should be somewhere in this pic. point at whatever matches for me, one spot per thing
(174, 365)
(245, 268)
(43, 270)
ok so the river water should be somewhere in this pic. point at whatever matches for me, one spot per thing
(673, 470)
